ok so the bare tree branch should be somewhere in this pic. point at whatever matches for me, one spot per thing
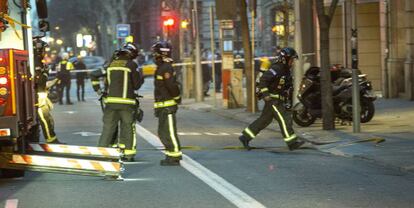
(332, 9)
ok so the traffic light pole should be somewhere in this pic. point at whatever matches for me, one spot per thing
(198, 75)
(356, 103)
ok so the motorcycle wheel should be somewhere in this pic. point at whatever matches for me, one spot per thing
(367, 111)
(302, 117)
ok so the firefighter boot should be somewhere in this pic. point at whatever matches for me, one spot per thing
(295, 144)
(56, 141)
(245, 141)
(170, 161)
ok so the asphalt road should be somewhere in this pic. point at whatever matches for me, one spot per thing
(214, 172)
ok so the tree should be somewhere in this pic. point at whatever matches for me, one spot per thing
(247, 54)
(100, 17)
(325, 20)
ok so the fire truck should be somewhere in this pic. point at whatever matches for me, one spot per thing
(20, 149)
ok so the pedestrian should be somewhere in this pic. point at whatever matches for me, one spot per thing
(276, 88)
(64, 68)
(123, 80)
(167, 97)
(80, 78)
(206, 78)
(217, 73)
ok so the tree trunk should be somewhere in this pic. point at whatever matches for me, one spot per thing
(247, 54)
(326, 87)
(325, 20)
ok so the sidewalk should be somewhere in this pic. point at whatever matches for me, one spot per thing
(387, 140)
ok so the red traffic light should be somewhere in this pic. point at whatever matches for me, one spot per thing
(169, 22)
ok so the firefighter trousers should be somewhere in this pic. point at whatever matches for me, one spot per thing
(123, 115)
(274, 109)
(47, 123)
(65, 82)
(167, 132)
(80, 88)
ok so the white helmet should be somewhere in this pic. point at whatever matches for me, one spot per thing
(65, 56)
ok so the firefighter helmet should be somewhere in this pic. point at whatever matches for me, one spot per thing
(130, 49)
(162, 49)
(287, 54)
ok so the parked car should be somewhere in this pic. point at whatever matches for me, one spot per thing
(148, 68)
(91, 62)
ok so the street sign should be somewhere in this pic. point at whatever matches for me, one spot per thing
(122, 30)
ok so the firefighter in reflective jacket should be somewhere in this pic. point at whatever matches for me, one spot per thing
(64, 68)
(43, 104)
(120, 101)
(275, 87)
(167, 97)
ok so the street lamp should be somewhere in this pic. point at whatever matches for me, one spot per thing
(79, 40)
(59, 41)
(184, 24)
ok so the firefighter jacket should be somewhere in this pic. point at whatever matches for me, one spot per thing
(64, 69)
(277, 83)
(167, 91)
(122, 81)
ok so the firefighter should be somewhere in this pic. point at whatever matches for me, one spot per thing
(64, 68)
(120, 100)
(43, 104)
(80, 79)
(96, 77)
(167, 97)
(275, 88)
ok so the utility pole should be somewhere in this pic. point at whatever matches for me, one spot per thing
(356, 103)
(298, 72)
(198, 74)
(253, 14)
(213, 58)
(247, 55)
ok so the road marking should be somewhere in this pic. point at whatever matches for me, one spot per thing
(70, 112)
(189, 134)
(135, 163)
(206, 133)
(216, 134)
(226, 189)
(137, 179)
(87, 134)
(11, 203)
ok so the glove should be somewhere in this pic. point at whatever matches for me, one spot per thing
(288, 104)
(178, 99)
(139, 115)
(99, 92)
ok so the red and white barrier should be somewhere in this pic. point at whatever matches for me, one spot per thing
(71, 149)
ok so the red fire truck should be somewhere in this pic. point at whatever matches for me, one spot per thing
(20, 149)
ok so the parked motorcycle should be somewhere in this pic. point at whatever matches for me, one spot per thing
(310, 108)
